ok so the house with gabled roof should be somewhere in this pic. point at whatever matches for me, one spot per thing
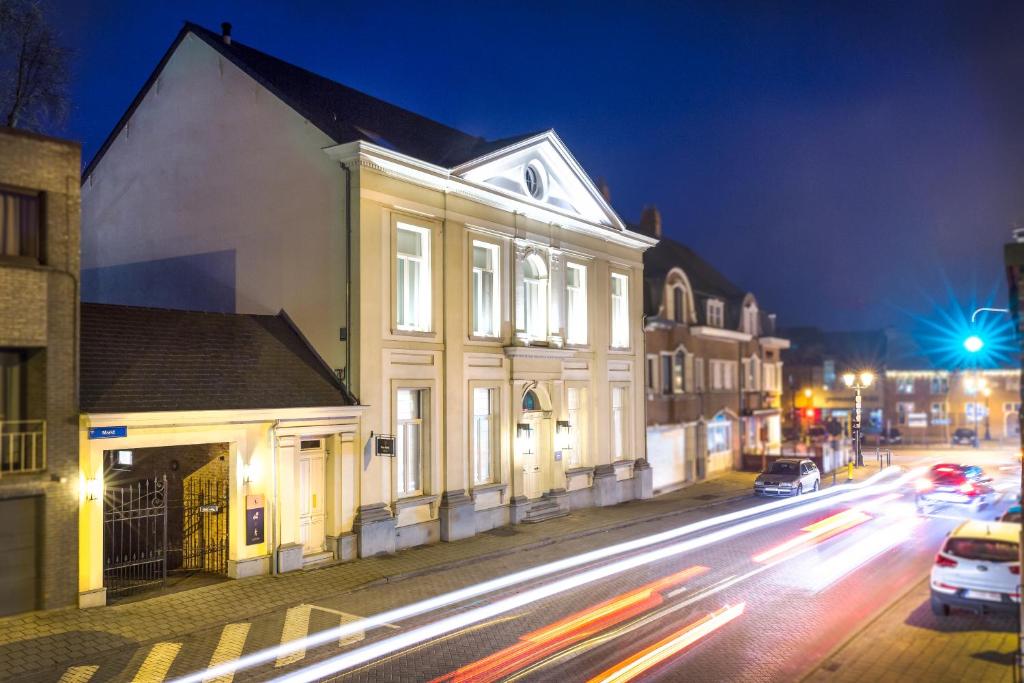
(480, 297)
(713, 366)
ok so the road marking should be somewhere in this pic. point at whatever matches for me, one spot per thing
(232, 640)
(347, 618)
(296, 626)
(78, 674)
(158, 662)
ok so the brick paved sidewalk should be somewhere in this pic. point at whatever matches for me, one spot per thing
(44, 640)
(906, 642)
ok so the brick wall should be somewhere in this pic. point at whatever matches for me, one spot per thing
(39, 310)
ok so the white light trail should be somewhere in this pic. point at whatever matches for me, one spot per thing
(847, 561)
(833, 495)
(427, 632)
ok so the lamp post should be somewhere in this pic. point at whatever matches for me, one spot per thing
(987, 392)
(978, 385)
(858, 381)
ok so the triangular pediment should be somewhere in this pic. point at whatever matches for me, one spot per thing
(541, 170)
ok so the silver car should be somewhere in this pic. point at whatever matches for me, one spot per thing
(788, 477)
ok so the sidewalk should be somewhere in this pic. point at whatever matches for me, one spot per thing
(48, 640)
(907, 642)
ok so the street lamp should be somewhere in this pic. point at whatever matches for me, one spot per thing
(975, 385)
(858, 381)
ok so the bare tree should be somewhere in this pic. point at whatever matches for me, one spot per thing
(33, 68)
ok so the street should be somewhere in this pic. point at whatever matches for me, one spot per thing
(747, 590)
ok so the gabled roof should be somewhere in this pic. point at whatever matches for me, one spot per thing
(137, 359)
(342, 113)
(707, 282)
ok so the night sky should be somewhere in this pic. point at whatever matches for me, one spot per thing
(853, 166)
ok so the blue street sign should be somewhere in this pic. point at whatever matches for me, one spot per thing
(108, 432)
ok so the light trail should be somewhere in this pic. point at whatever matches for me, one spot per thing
(438, 628)
(541, 643)
(864, 551)
(637, 664)
(819, 531)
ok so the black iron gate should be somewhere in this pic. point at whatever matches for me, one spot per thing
(135, 537)
(204, 535)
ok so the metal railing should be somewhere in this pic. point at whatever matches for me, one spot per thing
(22, 446)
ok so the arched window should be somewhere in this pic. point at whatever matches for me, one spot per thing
(679, 304)
(535, 297)
(751, 319)
(679, 372)
(530, 401)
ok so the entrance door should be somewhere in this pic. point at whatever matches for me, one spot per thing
(19, 570)
(532, 485)
(311, 495)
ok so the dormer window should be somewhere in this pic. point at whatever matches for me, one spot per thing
(750, 319)
(716, 313)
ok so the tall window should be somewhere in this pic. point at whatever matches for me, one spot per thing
(752, 373)
(618, 423)
(485, 435)
(678, 304)
(719, 435)
(716, 313)
(666, 373)
(410, 440)
(698, 374)
(13, 385)
(576, 304)
(572, 401)
(413, 279)
(535, 297)
(939, 385)
(652, 369)
(679, 372)
(20, 225)
(750, 319)
(486, 303)
(620, 311)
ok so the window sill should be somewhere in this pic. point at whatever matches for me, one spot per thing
(488, 488)
(415, 501)
(398, 331)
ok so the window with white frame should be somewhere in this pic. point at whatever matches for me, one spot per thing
(751, 319)
(619, 428)
(939, 385)
(772, 377)
(485, 434)
(413, 278)
(410, 440)
(486, 290)
(939, 411)
(719, 434)
(572, 403)
(576, 303)
(679, 303)
(535, 297)
(620, 311)
(752, 374)
(723, 374)
(679, 372)
(666, 373)
(716, 312)
(699, 383)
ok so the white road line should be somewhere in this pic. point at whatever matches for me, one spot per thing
(296, 626)
(79, 674)
(229, 648)
(154, 669)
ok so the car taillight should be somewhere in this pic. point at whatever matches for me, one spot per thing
(1015, 569)
(943, 561)
(923, 484)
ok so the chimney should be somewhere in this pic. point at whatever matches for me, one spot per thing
(225, 32)
(606, 192)
(650, 221)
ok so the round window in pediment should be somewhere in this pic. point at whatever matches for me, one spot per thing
(533, 179)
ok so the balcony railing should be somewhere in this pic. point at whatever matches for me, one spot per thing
(22, 446)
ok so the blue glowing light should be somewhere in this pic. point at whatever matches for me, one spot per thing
(973, 344)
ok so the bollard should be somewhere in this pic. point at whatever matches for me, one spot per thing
(849, 471)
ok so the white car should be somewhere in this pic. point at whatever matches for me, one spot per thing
(978, 568)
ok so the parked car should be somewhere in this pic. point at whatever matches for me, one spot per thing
(957, 484)
(977, 569)
(965, 437)
(1011, 515)
(788, 477)
(892, 437)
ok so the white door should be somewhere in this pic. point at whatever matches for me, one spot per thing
(311, 496)
(532, 485)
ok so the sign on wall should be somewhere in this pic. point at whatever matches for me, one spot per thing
(917, 420)
(385, 445)
(118, 432)
(254, 506)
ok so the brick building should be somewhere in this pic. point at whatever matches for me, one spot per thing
(713, 366)
(39, 267)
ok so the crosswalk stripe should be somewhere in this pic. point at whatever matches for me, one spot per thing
(158, 662)
(296, 626)
(78, 674)
(232, 640)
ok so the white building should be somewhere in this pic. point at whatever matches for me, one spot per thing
(480, 298)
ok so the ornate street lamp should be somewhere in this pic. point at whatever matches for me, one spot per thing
(858, 381)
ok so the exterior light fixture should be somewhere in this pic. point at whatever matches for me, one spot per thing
(523, 433)
(249, 472)
(808, 392)
(93, 489)
(849, 379)
(562, 427)
(866, 378)
(974, 343)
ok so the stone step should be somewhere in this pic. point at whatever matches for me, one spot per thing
(544, 510)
